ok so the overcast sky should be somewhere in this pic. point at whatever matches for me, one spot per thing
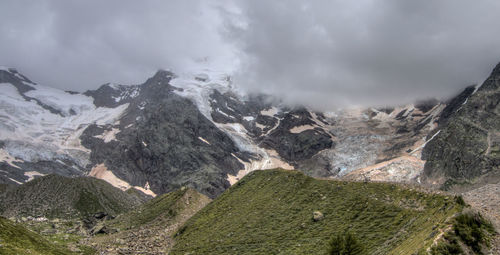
(324, 54)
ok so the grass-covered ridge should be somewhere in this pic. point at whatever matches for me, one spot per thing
(148, 228)
(271, 212)
(470, 234)
(156, 210)
(15, 239)
(55, 196)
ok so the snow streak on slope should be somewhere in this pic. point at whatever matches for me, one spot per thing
(198, 86)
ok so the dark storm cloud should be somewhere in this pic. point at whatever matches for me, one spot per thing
(81, 44)
(338, 53)
(319, 53)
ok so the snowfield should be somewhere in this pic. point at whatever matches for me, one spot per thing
(33, 133)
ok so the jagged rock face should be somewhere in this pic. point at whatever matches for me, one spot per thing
(295, 139)
(199, 131)
(467, 148)
(166, 142)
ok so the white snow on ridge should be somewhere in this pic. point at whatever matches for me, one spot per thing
(270, 112)
(31, 175)
(6, 157)
(203, 140)
(199, 89)
(102, 172)
(33, 133)
(126, 92)
(62, 101)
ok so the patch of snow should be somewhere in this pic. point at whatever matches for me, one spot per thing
(203, 140)
(238, 134)
(114, 86)
(269, 160)
(125, 92)
(31, 175)
(18, 182)
(249, 118)
(199, 91)
(223, 113)
(33, 133)
(409, 109)
(423, 145)
(101, 172)
(260, 126)
(65, 102)
(478, 85)
(270, 112)
(300, 129)
(108, 135)
(6, 157)
(142, 105)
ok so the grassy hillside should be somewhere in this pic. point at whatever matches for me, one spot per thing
(148, 228)
(271, 212)
(15, 239)
(57, 196)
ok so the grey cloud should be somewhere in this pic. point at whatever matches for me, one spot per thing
(81, 44)
(327, 54)
(321, 53)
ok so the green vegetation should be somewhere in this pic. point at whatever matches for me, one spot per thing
(346, 244)
(469, 229)
(271, 212)
(148, 228)
(15, 239)
(60, 232)
(54, 196)
(159, 206)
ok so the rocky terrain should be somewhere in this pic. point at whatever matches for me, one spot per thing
(198, 130)
(149, 228)
(466, 151)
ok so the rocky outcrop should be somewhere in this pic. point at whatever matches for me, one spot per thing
(199, 131)
(164, 141)
(149, 228)
(296, 145)
(467, 148)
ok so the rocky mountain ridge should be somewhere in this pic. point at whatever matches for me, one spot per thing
(198, 130)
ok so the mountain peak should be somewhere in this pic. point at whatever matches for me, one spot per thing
(164, 74)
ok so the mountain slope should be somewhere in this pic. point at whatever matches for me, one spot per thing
(54, 196)
(149, 228)
(277, 211)
(198, 130)
(15, 239)
(467, 148)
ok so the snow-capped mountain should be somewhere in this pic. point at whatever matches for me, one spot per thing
(198, 130)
